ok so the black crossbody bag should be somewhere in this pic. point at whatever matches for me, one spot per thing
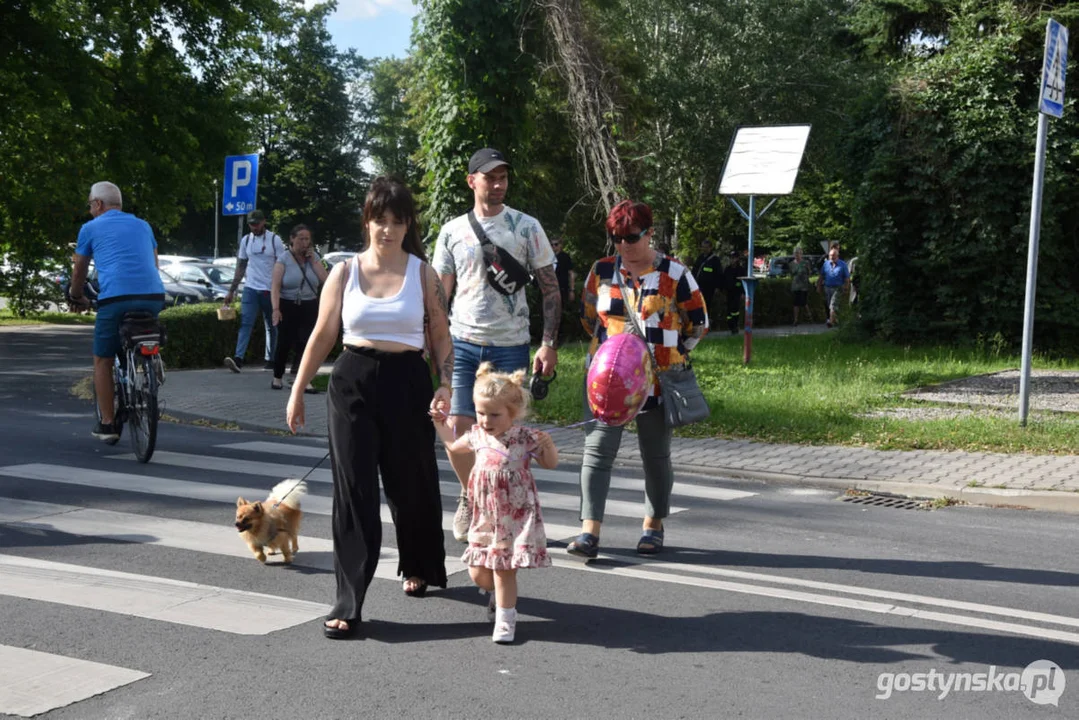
(504, 273)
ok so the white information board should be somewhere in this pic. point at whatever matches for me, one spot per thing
(764, 160)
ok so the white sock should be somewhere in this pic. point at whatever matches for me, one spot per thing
(505, 615)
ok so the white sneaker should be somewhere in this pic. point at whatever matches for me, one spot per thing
(505, 625)
(462, 519)
(492, 607)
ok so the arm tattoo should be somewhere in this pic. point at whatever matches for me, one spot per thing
(445, 370)
(552, 302)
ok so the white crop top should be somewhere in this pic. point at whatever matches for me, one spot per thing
(398, 318)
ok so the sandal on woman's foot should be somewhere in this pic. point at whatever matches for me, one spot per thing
(651, 542)
(585, 546)
(276, 384)
(339, 633)
(417, 591)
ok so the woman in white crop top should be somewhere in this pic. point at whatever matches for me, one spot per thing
(379, 397)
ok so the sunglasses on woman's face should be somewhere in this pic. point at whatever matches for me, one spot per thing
(628, 239)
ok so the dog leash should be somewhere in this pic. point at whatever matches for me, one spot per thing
(313, 468)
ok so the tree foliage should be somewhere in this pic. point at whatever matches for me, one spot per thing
(135, 92)
(942, 165)
(472, 87)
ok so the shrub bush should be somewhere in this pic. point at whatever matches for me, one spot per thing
(197, 339)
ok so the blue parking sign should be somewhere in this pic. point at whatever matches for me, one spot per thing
(241, 184)
(1054, 67)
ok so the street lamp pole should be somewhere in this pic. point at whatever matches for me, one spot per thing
(216, 219)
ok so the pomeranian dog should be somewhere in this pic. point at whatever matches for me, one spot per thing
(273, 524)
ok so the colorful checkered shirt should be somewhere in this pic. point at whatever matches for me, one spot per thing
(670, 308)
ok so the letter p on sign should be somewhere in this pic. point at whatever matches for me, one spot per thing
(241, 175)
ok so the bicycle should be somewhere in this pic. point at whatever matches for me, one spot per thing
(137, 374)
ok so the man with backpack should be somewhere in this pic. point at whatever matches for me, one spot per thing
(259, 250)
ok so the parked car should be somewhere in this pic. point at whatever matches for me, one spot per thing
(178, 293)
(170, 259)
(333, 258)
(780, 265)
(225, 261)
(216, 278)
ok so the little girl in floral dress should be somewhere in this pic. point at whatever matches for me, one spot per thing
(507, 526)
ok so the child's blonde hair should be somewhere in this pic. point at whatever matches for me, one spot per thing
(504, 387)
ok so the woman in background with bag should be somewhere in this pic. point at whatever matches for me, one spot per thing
(637, 290)
(391, 305)
(297, 276)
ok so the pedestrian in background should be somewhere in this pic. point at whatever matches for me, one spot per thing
(732, 285)
(708, 272)
(258, 253)
(297, 277)
(379, 403)
(800, 269)
(671, 311)
(834, 277)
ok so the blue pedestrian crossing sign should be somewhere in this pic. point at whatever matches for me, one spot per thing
(241, 184)
(1054, 68)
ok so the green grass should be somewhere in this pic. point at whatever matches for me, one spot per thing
(815, 389)
(55, 318)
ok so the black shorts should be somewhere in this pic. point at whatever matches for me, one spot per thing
(801, 298)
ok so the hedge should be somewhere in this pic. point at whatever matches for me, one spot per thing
(197, 339)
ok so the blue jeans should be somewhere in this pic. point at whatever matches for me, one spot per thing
(251, 302)
(466, 360)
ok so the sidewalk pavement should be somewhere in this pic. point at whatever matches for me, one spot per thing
(1012, 480)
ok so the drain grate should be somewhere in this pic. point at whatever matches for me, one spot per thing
(887, 501)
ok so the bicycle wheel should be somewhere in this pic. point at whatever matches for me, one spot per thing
(143, 403)
(117, 407)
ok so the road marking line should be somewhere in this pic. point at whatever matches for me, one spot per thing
(201, 537)
(562, 477)
(149, 485)
(831, 600)
(175, 601)
(557, 501)
(34, 682)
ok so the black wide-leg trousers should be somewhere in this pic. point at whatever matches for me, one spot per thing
(297, 322)
(378, 423)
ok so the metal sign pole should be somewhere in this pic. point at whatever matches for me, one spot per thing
(1050, 102)
(1032, 268)
(217, 220)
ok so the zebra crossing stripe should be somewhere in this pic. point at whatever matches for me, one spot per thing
(34, 682)
(562, 477)
(150, 485)
(174, 601)
(200, 537)
(554, 501)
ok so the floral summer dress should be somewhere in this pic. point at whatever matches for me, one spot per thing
(507, 526)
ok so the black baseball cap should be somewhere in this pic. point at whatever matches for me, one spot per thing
(486, 160)
(256, 216)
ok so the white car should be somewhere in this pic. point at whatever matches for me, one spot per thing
(163, 260)
(226, 261)
(333, 258)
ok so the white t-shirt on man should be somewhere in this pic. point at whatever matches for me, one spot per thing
(482, 315)
(260, 252)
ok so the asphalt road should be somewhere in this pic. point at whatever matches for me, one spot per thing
(771, 601)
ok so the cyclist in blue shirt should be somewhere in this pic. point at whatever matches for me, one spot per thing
(834, 277)
(124, 252)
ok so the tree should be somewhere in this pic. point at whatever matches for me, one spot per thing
(943, 162)
(393, 137)
(135, 92)
(313, 131)
(473, 84)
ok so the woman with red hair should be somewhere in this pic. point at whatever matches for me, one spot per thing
(661, 292)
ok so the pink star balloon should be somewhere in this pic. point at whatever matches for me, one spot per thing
(619, 379)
